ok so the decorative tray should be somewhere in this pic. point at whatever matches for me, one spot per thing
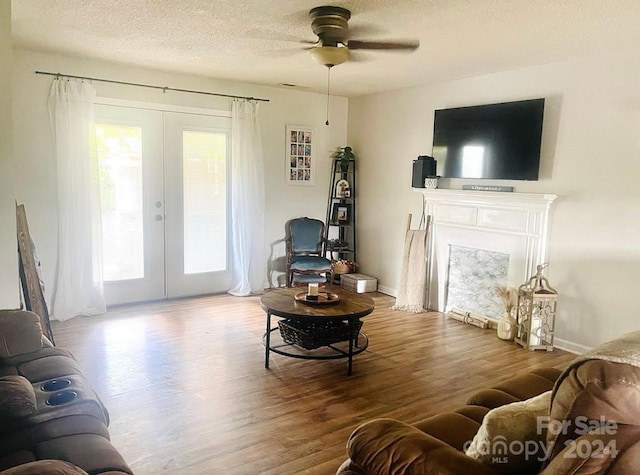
(324, 298)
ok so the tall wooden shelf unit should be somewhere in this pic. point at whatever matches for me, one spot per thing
(341, 213)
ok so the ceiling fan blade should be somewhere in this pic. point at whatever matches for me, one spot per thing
(364, 30)
(408, 45)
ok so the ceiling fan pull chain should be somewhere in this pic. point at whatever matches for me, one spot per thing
(328, 87)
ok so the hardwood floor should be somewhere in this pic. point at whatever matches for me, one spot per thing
(186, 387)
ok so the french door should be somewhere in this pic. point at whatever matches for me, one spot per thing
(164, 190)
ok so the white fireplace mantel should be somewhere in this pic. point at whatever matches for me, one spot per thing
(479, 198)
(516, 224)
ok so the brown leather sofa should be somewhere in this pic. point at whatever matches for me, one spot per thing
(591, 424)
(51, 421)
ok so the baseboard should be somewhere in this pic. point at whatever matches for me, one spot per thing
(387, 290)
(570, 346)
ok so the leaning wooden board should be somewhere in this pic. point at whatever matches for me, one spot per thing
(30, 274)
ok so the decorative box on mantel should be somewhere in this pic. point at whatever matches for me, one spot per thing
(516, 224)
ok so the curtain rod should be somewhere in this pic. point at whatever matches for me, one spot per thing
(151, 86)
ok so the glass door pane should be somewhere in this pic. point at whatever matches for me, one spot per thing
(204, 183)
(129, 149)
(119, 150)
(197, 156)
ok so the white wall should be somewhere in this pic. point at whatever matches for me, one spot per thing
(35, 173)
(590, 157)
(8, 256)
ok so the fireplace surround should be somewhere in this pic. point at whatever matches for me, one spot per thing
(516, 224)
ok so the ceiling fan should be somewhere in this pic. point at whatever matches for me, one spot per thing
(330, 24)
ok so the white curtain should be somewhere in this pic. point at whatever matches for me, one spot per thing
(247, 200)
(78, 288)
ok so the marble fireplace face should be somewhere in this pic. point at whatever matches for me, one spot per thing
(470, 227)
(472, 277)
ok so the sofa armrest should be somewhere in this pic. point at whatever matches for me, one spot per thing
(20, 333)
(390, 447)
(596, 453)
(347, 468)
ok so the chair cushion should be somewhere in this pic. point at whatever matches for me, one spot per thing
(310, 263)
(510, 438)
(17, 398)
(309, 279)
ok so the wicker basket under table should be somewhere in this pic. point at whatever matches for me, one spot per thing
(312, 335)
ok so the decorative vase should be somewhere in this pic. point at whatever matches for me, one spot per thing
(507, 326)
(431, 182)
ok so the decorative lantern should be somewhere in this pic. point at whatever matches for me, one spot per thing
(537, 302)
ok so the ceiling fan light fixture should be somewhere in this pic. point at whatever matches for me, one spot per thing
(330, 56)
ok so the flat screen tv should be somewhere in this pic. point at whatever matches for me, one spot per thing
(495, 141)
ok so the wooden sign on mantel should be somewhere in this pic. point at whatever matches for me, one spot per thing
(31, 274)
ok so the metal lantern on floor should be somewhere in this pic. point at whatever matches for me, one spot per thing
(537, 302)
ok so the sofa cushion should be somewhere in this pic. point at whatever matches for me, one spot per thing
(45, 467)
(93, 453)
(552, 374)
(50, 363)
(475, 413)
(20, 332)
(491, 398)
(510, 438)
(516, 389)
(451, 428)
(17, 398)
(386, 446)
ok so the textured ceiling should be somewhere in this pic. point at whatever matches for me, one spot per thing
(258, 41)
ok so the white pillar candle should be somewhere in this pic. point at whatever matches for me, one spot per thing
(313, 289)
(534, 339)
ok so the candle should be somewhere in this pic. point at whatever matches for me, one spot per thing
(534, 338)
(313, 289)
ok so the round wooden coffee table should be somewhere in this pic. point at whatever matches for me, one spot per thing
(309, 326)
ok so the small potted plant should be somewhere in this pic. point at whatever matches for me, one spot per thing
(344, 154)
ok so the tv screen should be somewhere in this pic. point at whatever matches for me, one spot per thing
(496, 141)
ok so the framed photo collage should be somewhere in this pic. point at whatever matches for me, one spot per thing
(300, 156)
